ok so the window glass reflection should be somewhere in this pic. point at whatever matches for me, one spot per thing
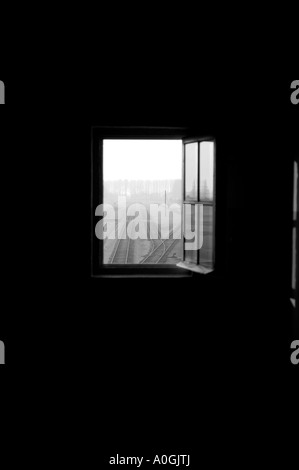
(191, 171)
(206, 171)
(206, 251)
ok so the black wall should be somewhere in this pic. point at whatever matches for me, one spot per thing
(154, 358)
(167, 345)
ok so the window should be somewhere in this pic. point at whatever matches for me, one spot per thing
(142, 191)
(153, 202)
(199, 205)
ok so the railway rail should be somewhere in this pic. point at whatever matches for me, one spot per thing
(160, 252)
(122, 251)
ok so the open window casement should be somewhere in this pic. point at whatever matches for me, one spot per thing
(198, 208)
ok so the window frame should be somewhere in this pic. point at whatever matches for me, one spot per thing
(98, 135)
(197, 201)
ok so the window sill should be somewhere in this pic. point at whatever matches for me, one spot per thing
(143, 276)
(195, 268)
(137, 271)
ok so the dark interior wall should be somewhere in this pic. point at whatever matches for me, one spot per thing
(238, 322)
(248, 297)
(256, 135)
(161, 362)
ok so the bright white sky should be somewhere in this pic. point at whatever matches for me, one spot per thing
(142, 159)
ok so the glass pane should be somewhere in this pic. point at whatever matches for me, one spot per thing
(191, 254)
(191, 171)
(142, 201)
(206, 251)
(206, 171)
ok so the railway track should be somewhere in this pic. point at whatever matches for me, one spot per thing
(122, 251)
(160, 252)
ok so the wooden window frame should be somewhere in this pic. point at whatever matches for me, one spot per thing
(98, 135)
(191, 140)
